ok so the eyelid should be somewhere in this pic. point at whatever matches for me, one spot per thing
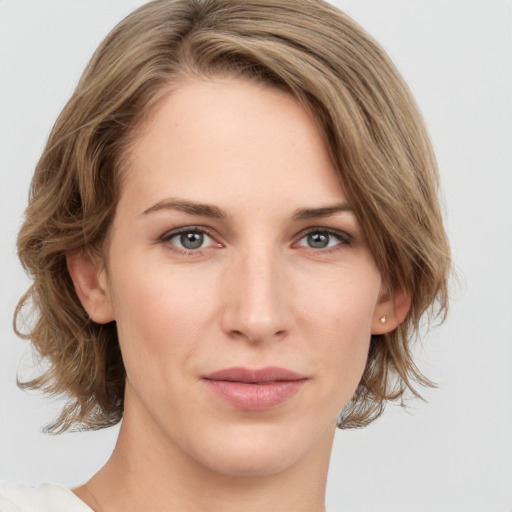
(343, 237)
(169, 235)
(184, 229)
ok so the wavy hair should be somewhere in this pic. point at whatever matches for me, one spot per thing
(373, 129)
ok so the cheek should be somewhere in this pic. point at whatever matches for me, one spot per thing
(160, 317)
(339, 319)
(342, 304)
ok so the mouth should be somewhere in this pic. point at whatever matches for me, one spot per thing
(254, 389)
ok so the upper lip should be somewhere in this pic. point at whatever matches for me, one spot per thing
(249, 375)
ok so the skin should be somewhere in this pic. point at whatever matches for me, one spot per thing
(260, 291)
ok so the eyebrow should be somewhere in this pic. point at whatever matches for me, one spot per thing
(206, 210)
(190, 207)
(325, 211)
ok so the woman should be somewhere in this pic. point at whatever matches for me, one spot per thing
(233, 233)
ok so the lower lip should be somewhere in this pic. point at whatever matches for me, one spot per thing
(255, 397)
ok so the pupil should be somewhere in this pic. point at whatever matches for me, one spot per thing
(318, 240)
(192, 240)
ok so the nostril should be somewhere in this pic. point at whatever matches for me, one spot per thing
(255, 337)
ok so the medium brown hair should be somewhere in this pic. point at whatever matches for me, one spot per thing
(374, 132)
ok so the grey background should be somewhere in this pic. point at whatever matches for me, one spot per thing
(452, 454)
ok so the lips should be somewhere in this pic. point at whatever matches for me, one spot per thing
(254, 389)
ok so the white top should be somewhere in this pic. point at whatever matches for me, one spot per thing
(43, 498)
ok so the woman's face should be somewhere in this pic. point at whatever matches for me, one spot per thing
(240, 280)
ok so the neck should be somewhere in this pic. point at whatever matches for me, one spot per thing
(148, 472)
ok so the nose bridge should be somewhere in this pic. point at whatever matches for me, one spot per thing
(257, 306)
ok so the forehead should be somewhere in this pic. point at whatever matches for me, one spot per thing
(223, 140)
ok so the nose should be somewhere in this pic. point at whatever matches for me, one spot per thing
(257, 297)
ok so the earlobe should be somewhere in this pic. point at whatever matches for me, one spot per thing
(391, 311)
(90, 283)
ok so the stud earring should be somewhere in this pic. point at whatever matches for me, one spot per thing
(383, 319)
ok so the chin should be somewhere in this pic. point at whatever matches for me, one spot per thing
(256, 464)
(260, 451)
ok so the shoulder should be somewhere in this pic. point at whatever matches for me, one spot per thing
(42, 498)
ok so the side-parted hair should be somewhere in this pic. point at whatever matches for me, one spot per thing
(373, 130)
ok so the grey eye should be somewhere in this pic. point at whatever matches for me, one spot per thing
(192, 239)
(324, 239)
(318, 240)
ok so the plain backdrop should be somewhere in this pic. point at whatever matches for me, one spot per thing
(452, 454)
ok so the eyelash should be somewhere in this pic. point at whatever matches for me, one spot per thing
(167, 237)
(343, 238)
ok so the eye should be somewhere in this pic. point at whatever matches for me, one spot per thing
(189, 239)
(324, 239)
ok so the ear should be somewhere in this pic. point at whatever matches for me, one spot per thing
(90, 280)
(391, 310)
